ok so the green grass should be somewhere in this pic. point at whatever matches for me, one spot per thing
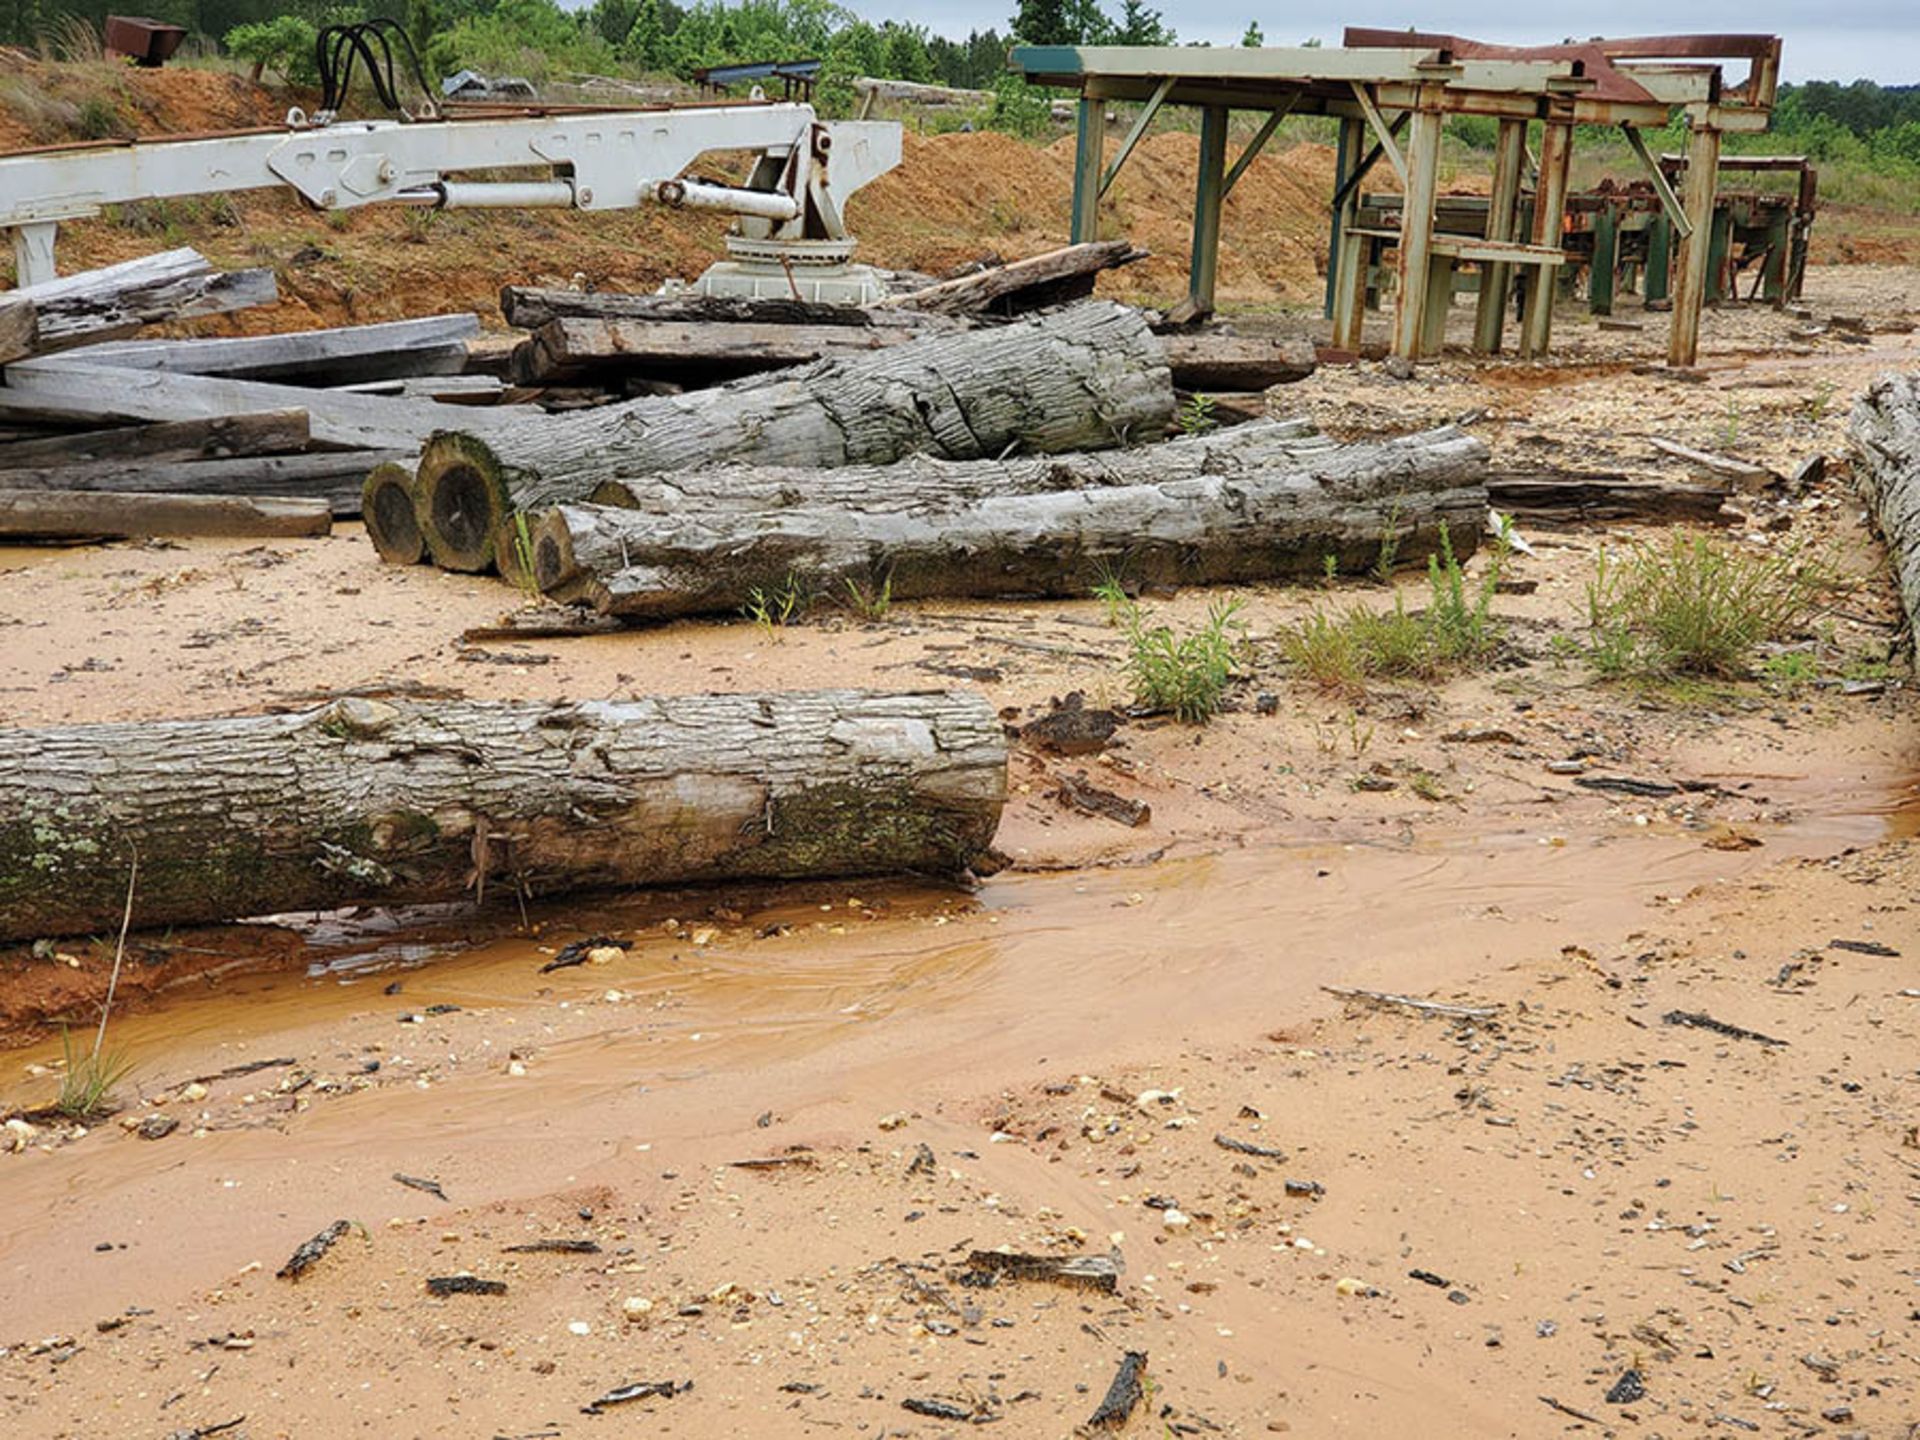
(1791, 671)
(1186, 675)
(88, 1079)
(773, 609)
(1695, 606)
(870, 602)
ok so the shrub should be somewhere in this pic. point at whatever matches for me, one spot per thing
(1184, 674)
(284, 44)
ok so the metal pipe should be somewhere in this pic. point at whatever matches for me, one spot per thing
(694, 195)
(505, 194)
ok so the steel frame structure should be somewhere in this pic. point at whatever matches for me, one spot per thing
(1391, 91)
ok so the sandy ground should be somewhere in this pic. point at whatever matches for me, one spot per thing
(1594, 1189)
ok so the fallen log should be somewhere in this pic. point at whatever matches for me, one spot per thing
(1083, 378)
(367, 801)
(1885, 433)
(1568, 497)
(435, 345)
(1204, 360)
(1228, 523)
(691, 351)
(386, 503)
(336, 477)
(1059, 275)
(1748, 476)
(93, 515)
(271, 432)
(117, 300)
(528, 308)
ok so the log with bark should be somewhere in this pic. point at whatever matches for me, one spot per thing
(369, 801)
(1885, 431)
(1086, 377)
(271, 432)
(1230, 522)
(433, 345)
(94, 515)
(336, 477)
(1042, 280)
(118, 300)
(386, 503)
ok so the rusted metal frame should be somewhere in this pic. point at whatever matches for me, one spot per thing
(1509, 158)
(1659, 282)
(1421, 173)
(1352, 183)
(1773, 273)
(1605, 262)
(1669, 202)
(1089, 148)
(1549, 213)
(1257, 144)
(1381, 133)
(1690, 288)
(1140, 124)
(1347, 298)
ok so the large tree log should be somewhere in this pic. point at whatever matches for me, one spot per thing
(435, 345)
(368, 801)
(1063, 274)
(117, 300)
(1885, 430)
(1566, 497)
(92, 515)
(1228, 523)
(528, 308)
(334, 476)
(223, 437)
(1083, 378)
(689, 351)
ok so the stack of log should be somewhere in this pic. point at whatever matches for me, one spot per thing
(1885, 432)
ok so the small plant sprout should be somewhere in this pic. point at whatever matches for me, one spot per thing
(1111, 592)
(1196, 415)
(870, 602)
(773, 609)
(1185, 674)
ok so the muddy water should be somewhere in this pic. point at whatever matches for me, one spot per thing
(840, 1020)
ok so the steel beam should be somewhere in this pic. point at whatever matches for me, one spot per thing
(1209, 196)
(1089, 144)
(1549, 215)
(1606, 260)
(1690, 289)
(1659, 282)
(1258, 143)
(1140, 124)
(1346, 203)
(1509, 157)
(1669, 202)
(1380, 132)
(1422, 173)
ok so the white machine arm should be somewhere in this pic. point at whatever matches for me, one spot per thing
(599, 160)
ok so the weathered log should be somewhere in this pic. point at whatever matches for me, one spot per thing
(1207, 360)
(94, 515)
(923, 483)
(688, 350)
(386, 502)
(365, 801)
(1024, 284)
(334, 476)
(117, 300)
(272, 432)
(1885, 431)
(19, 328)
(912, 92)
(1228, 523)
(529, 308)
(1082, 378)
(1568, 497)
(434, 345)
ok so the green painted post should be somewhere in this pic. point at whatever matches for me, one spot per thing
(1345, 158)
(1606, 260)
(1088, 155)
(1209, 194)
(1717, 247)
(1659, 257)
(1773, 279)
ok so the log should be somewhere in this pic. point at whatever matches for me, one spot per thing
(336, 477)
(912, 92)
(1066, 273)
(1229, 523)
(435, 345)
(1885, 433)
(528, 308)
(1205, 360)
(19, 328)
(222, 437)
(1748, 476)
(92, 515)
(117, 300)
(1568, 497)
(386, 500)
(1087, 377)
(690, 351)
(368, 801)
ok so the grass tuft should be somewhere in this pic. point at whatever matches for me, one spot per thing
(1185, 674)
(88, 1079)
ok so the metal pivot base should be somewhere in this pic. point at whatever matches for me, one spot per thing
(818, 273)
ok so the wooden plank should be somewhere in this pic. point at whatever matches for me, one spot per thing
(268, 433)
(1204, 361)
(567, 349)
(92, 514)
(116, 300)
(335, 476)
(19, 328)
(1039, 275)
(529, 307)
(434, 345)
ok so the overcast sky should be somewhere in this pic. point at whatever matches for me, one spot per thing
(1832, 40)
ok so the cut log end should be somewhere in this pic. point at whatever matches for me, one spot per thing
(460, 501)
(386, 503)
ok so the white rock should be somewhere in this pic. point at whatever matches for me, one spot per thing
(1174, 1220)
(638, 1309)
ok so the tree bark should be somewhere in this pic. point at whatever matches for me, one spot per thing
(434, 345)
(94, 515)
(1885, 430)
(1228, 523)
(366, 801)
(337, 477)
(1025, 284)
(1083, 378)
(117, 300)
(223, 437)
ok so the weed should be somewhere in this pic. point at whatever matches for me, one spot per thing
(773, 610)
(1187, 674)
(1111, 592)
(1730, 427)
(88, 1079)
(523, 564)
(1196, 415)
(1820, 401)
(1329, 570)
(870, 602)
(417, 224)
(1695, 606)
(100, 119)
(1427, 786)
(1389, 546)
(1792, 670)
(1359, 736)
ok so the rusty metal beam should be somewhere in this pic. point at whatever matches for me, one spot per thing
(1669, 202)
(1380, 131)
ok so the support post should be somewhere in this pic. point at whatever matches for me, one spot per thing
(1549, 215)
(1773, 279)
(1089, 148)
(1345, 201)
(33, 253)
(1720, 257)
(1659, 260)
(1416, 225)
(1690, 287)
(1140, 124)
(1509, 158)
(1347, 260)
(1209, 196)
(1606, 260)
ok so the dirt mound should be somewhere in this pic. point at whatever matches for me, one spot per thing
(42, 103)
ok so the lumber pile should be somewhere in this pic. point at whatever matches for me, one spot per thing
(1885, 433)
(118, 300)
(368, 801)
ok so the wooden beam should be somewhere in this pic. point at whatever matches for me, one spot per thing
(335, 476)
(223, 437)
(1509, 155)
(1140, 124)
(97, 515)
(435, 345)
